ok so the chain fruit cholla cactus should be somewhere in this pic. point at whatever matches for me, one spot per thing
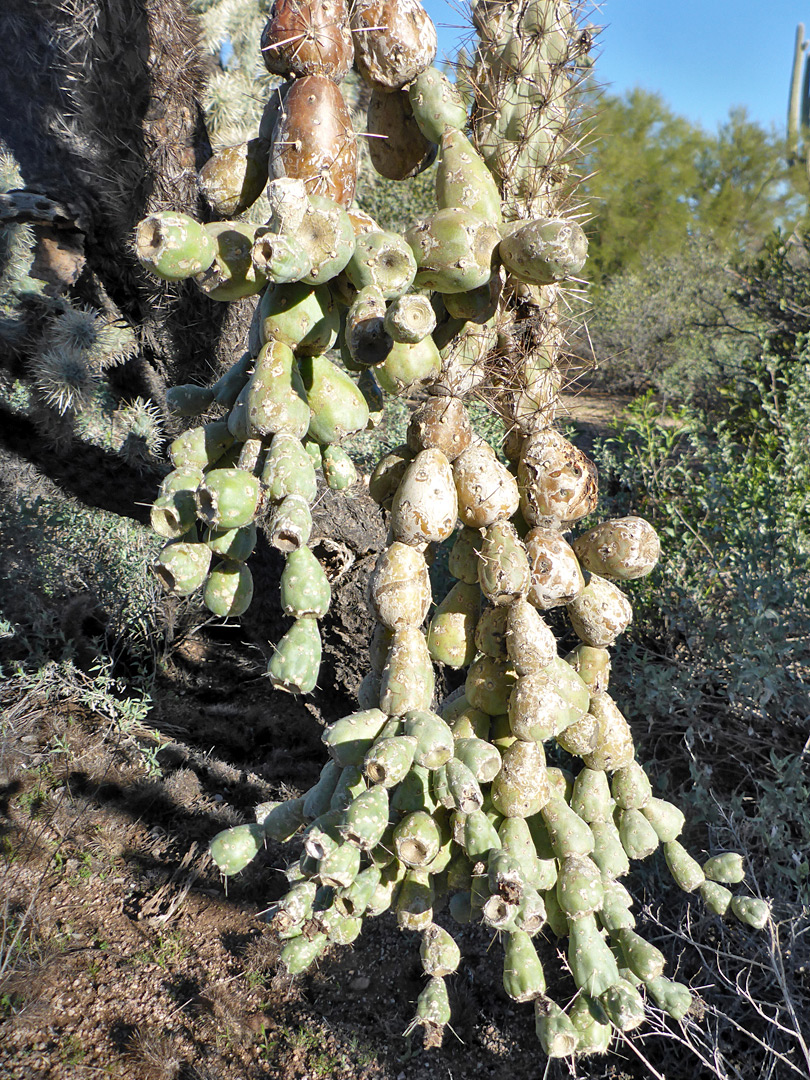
(424, 806)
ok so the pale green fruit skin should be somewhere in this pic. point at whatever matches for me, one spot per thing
(686, 871)
(407, 681)
(290, 524)
(201, 446)
(235, 544)
(523, 977)
(338, 468)
(462, 179)
(451, 636)
(487, 491)
(182, 567)
(544, 251)
(228, 498)
(399, 587)
(407, 367)
(234, 848)
(623, 548)
(644, 960)
(592, 963)
(383, 260)
(546, 702)
(437, 105)
(338, 407)
(438, 951)
(751, 910)
(453, 250)
(521, 787)
(288, 470)
(301, 316)
(229, 589)
(174, 246)
(232, 274)
(295, 664)
(304, 588)
(555, 1031)
(434, 739)
(349, 738)
(579, 886)
(274, 399)
(727, 869)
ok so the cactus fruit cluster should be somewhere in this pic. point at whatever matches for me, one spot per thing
(425, 807)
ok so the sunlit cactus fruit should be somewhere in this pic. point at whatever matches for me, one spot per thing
(639, 838)
(228, 589)
(727, 868)
(464, 555)
(489, 684)
(274, 399)
(232, 275)
(671, 997)
(437, 104)
(751, 910)
(425, 507)
(407, 680)
(462, 178)
(281, 821)
(453, 249)
(337, 406)
(399, 587)
(280, 258)
(686, 871)
(544, 251)
(234, 177)
(594, 1034)
(384, 261)
(556, 576)
(233, 849)
(487, 491)
(591, 798)
(409, 367)
(409, 318)
(182, 567)
(339, 471)
(394, 40)
(547, 701)
(600, 612)
(503, 569)
(623, 1005)
(556, 1033)
(568, 834)
(288, 470)
(327, 236)
(296, 661)
(521, 787)
(592, 665)
(227, 498)
(174, 246)
(290, 523)
(558, 482)
(440, 423)
(439, 952)
(310, 38)
(305, 589)
(301, 952)
(414, 901)
(608, 851)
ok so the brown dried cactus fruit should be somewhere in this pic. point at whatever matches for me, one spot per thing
(441, 423)
(308, 37)
(394, 41)
(600, 613)
(313, 140)
(558, 482)
(556, 574)
(487, 491)
(397, 148)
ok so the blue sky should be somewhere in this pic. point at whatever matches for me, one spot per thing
(702, 56)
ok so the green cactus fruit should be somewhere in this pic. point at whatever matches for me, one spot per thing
(561, 783)
(388, 761)
(305, 589)
(338, 408)
(639, 838)
(385, 895)
(544, 251)
(568, 833)
(631, 787)
(623, 1005)
(295, 664)
(189, 399)
(182, 567)
(232, 274)
(593, 1033)
(228, 589)
(318, 799)
(613, 746)
(338, 468)
(414, 902)
(464, 789)
(281, 821)
(407, 681)
(437, 104)
(673, 998)
(608, 852)
(464, 555)
(365, 337)
(275, 399)
(290, 524)
(592, 666)
(487, 491)
(453, 249)
(624, 548)
(558, 483)
(600, 613)
(751, 910)
(643, 959)
(462, 179)
(366, 818)
(579, 886)
(531, 914)
(414, 792)
(479, 305)
(464, 721)
(489, 685)
(556, 1033)
(425, 509)
(174, 246)
(433, 1008)
(340, 929)
(349, 739)
(480, 757)
(408, 368)
(490, 633)
(523, 976)
(288, 470)
(686, 871)
(280, 258)
(409, 319)
(530, 643)
(300, 953)
(434, 739)
(227, 498)
(235, 176)
(384, 261)
(716, 897)
(727, 868)
(547, 701)
(556, 918)
(235, 544)
(417, 839)
(228, 387)
(201, 446)
(340, 866)
(592, 964)
(503, 570)
(233, 849)
(295, 907)
(505, 876)
(451, 635)
(516, 840)
(327, 236)
(665, 818)
(590, 798)
(387, 474)
(174, 511)
(350, 784)
(615, 913)
(439, 953)
(302, 316)
(521, 787)
(353, 900)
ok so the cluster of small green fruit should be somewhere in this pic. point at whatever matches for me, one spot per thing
(420, 806)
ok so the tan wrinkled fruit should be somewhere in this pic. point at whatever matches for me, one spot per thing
(556, 576)
(558, 483)
(624, 548)
(441, 423)
(394, 40)
(613, 746)
(521, 788)
(425, 507)
(600, 613)
(399, 587)
(487, 491)
(407, 680)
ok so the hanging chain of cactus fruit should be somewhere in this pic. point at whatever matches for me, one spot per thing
(423, 807)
